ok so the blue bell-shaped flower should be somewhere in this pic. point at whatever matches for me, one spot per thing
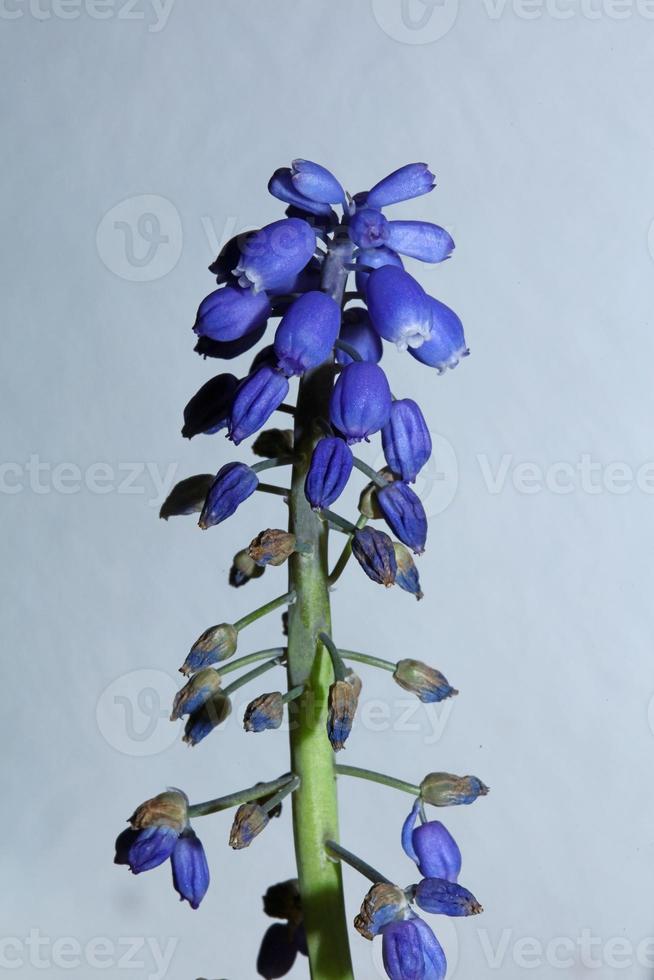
(190, 868)
(406, 439)
(358, 332)
(420, 240)
(360, 404)
(445, 344)
(230, 313)
(316, 183)
(399, 307)
(431, 846)
(411, 951)
(234, 483)
(307, 333)
(275, 253)
(404, 514)
(329, 470)
(257, 397)
(412, 180)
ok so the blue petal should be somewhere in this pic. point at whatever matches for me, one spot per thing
(445, 344)
(407, 831)
(360, 404)
(406, 440)
(373, 258)
(307, 333)
(190, 869)
(368, 228)
(230, 313)
(275, 253)
(256, 399)
(282, 187)
(151, 847)
(316, 183)
(234, 483)
(412, 180)
(357, 331)
(441, 897)
(420, 239)
(329, 470)
(404, 514)
(399, 307)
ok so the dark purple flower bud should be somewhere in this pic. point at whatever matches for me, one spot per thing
(233, 484)
(274, 254)
(256, 399)
(441, 897)
(149, 848)
(360, 403)
(404, 514)
(193, 695)
(421, 679)
(187, 496)
(445, 344)
(420, 239)
(431, 846)
(411, 951)
(383, 904)
(413, 180)
(277, 952)
(358, 332)
(227, 350)
(307, 333)
(398, 307)
(214, 645)
(343, 700)
(373, 258)
(249, 820)
(316, 183)
(407, 576)
(406, 439)
(264, 713)
(230, 313)
(190, 869)
(444, 789)
(208, 410)
(208, 716)
(375, 553)
(329, 470)
(368, 228)
(282, 186)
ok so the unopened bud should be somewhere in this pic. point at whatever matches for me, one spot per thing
(266, 711)
(374, 551)
(210, 714)
(421, 679)
(343, 699)
(272, 547)
(407, 574)
(187, 496)
(169, 809)
(444, 789)
(243, 569)
(441, 897)
(384, 903)
(214, 645)
(193, 695)
(250, 819)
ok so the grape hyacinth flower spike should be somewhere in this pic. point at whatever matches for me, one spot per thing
(282, 293)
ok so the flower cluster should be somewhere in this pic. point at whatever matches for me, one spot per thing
(330, 342)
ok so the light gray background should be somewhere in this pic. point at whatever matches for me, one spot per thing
(537, 120)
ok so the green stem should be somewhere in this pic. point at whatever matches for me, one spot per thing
(293, 694)
(269, 464)
(255, 792)
(290, 787)
(281, 600)
(271, 488)
(365, 658)
(355, 862)
(337, 660)
(250, 658)
(315, 810)
(371, 473)
(340, 523)
(378, 777)
(251, 675)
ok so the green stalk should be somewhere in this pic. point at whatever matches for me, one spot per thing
(315, 810)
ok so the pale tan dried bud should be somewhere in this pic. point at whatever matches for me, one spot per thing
(272, 547)
(169, 809)
(250, 819)
(384, 903)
